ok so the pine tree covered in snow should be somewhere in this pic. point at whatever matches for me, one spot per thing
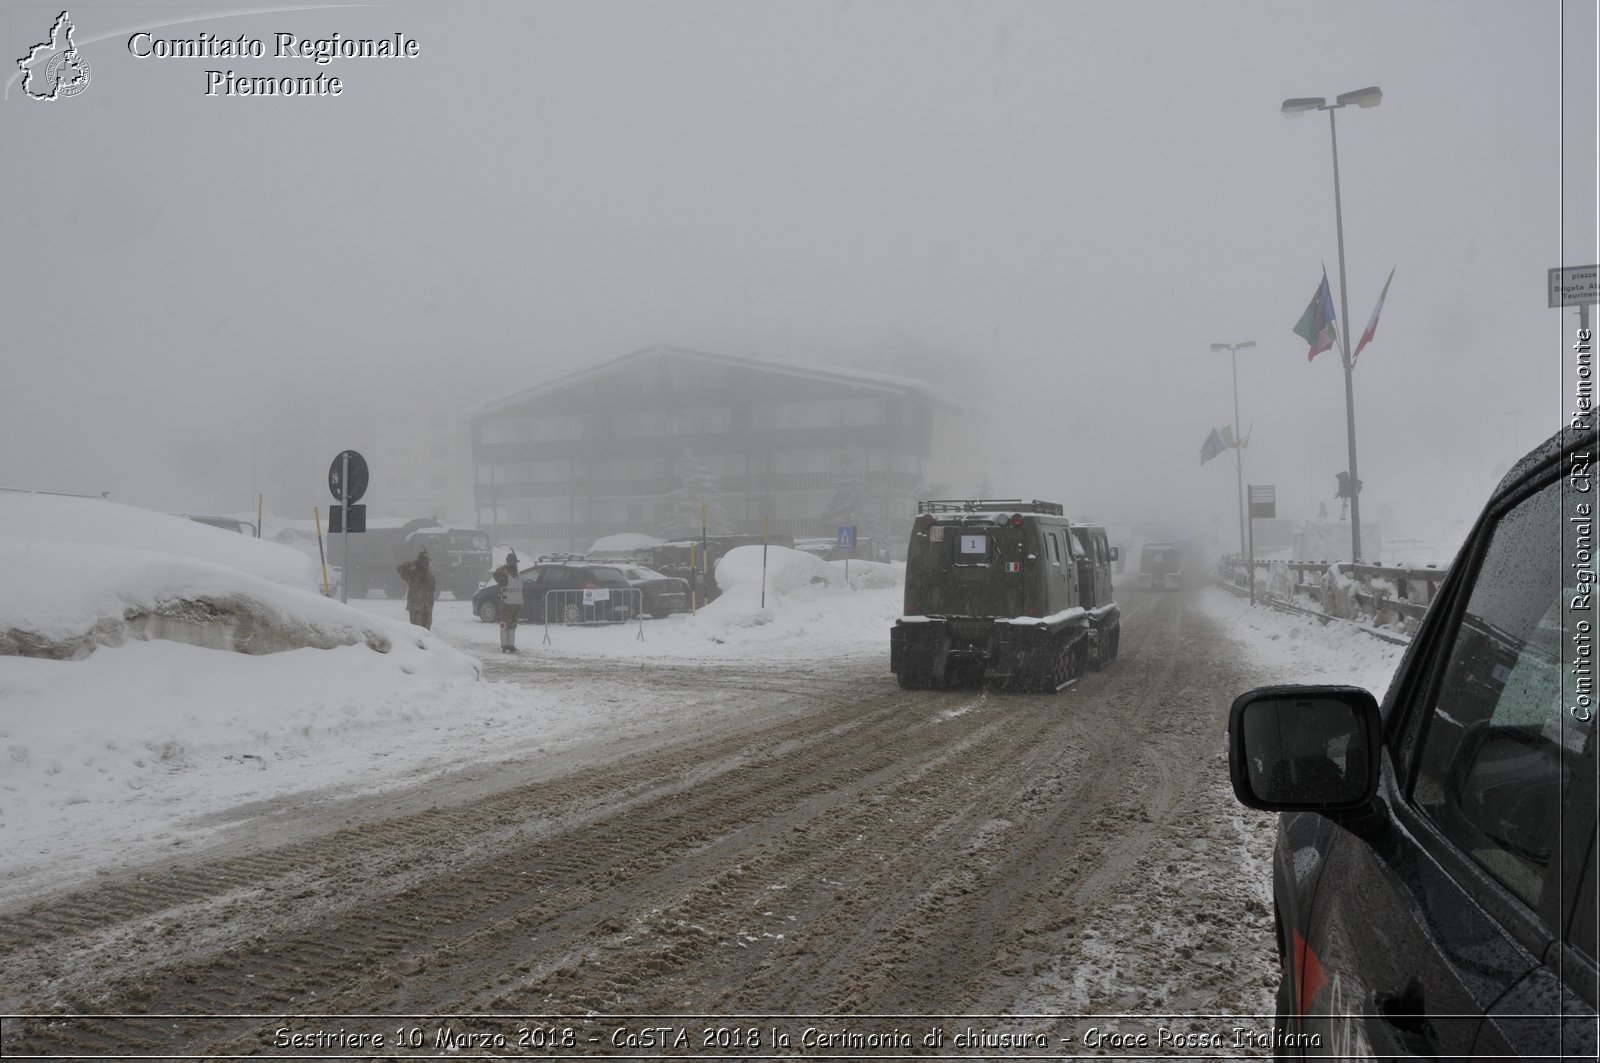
(853, 502)
(697, 486)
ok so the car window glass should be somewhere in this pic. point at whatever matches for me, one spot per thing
(1055, 549)
(1498, 746)
(606, 573)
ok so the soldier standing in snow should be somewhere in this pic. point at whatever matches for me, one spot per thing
(510, 602)
(421, 589)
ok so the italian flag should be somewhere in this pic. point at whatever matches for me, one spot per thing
(1372, 324)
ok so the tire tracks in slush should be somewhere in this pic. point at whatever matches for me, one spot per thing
(848, 848)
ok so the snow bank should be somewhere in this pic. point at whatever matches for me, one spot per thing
(1301, 649)
(77, 574)
(112, 754)
(97, 522)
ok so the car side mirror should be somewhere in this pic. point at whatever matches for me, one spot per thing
(1113, 553)
(1305, 749)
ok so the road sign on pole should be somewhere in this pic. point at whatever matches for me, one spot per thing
(347, 479)
(347, 476)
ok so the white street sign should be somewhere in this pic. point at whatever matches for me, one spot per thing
(1574, 286)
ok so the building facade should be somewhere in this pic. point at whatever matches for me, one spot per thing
(602, 451)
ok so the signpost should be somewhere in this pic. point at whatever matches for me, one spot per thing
(1263, 504)
(1577, 286)
(847, 537)
(347, 479)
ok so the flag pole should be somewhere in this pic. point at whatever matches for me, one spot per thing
(1238, 440)
(1238, 460)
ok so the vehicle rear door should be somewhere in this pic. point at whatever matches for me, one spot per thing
(1432, 915)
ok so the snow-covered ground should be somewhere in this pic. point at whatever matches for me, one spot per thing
(123, 753)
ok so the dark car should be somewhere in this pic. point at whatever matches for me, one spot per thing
(569, 605)
(1434, 877)
(662, 595)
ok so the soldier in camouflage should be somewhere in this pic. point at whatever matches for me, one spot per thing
(421, 589)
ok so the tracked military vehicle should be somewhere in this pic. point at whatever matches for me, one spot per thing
(1004, 589)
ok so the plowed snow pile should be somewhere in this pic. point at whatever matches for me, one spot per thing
(118, 698)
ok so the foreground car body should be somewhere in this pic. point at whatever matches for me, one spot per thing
(1435, 877)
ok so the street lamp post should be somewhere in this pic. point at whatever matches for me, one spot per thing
(1238, 438)
(1368, 97)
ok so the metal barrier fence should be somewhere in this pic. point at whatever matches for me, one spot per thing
(599, 605)
(1390, 596)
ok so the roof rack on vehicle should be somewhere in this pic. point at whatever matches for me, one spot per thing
(549, 558)
(987, 505)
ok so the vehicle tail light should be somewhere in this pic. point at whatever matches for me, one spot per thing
(927, 520)
(1016, 520)
(1033, 610)
(590, 586)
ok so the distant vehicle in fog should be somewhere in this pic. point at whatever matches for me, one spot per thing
(459, 556)
(1161, 566)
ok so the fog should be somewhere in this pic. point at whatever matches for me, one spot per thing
(1057, 206)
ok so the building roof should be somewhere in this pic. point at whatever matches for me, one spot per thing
(849, 377)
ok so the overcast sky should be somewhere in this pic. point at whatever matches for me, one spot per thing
(1073, 199)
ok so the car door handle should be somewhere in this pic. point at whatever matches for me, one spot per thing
(1402, 1019)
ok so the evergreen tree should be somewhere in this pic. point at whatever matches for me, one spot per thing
(853, 501)
(697, 486)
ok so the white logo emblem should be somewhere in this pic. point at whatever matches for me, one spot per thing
(55, 69)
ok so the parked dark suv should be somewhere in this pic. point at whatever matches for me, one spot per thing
(567, 576)
(1434, 878)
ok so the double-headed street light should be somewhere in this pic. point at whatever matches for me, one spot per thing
(1368, 97)
(1238, 438)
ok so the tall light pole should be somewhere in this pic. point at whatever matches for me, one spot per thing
(1238, 437)
(1368, 97)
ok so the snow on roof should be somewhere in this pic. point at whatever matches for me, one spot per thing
(851, 377)
(623, 541)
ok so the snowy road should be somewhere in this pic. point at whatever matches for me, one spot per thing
(801, 840)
